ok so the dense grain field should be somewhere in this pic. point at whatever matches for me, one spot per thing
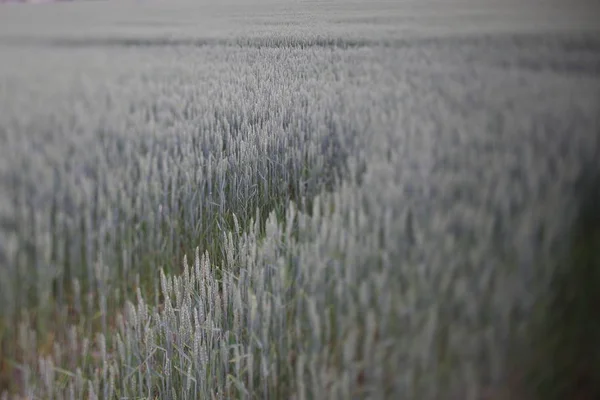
(299, 200)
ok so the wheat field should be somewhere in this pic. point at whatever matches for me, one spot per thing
(299, 200)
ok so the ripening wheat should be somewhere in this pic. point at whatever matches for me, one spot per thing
(312, 205)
